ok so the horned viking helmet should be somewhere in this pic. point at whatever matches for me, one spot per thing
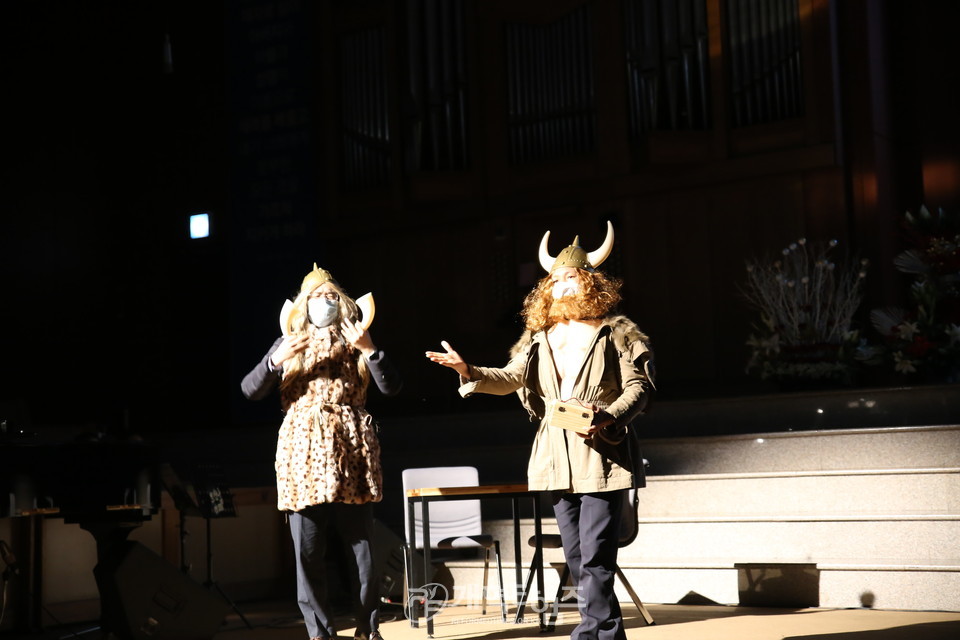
(316, 278)
(575, 255)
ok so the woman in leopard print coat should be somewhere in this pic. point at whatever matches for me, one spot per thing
(328, 454)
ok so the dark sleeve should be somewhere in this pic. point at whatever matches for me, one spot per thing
(261, 380)
(384, 374)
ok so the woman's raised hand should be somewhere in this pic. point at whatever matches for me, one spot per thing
(450, 358)
(291, 346)
(358, 337)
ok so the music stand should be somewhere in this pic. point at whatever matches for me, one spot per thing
(208, 498)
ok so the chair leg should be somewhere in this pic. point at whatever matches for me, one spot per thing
(633, 596)
(486, 571)
(503, 602)
(522, 597)
(555, 613)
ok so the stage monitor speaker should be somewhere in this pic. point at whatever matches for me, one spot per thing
(142, 597)
(388, 561)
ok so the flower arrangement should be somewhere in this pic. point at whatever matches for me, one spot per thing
(806, 301)
(923, 341)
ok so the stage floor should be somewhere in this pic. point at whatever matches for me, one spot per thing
(672, 622)
(282, 621)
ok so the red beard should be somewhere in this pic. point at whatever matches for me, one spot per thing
(569, 307)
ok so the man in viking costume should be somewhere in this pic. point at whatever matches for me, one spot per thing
(577, 353)
(328, 454)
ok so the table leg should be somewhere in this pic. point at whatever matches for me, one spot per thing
(413, 614)
(426, 562)
(517, 549)
(536, 568)
(538, 537)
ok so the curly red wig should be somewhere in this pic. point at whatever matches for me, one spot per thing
(597, 297)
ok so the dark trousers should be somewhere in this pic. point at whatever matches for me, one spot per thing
(309, 529)
(590, 530)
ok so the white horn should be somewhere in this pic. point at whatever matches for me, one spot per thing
(596, 258)
(546, 260)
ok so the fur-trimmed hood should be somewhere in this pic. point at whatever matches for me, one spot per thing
(624, 332)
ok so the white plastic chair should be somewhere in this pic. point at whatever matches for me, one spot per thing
(454, 524)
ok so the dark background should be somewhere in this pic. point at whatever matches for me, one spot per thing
(113, 319)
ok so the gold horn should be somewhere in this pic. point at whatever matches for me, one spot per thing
(367, 309)
(596, 258)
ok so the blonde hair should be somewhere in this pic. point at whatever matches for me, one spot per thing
(299, 324)
(599, 293)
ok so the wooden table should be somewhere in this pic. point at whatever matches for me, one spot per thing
(424, 496)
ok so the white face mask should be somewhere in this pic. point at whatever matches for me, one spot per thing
(322, 312)
(565, 288)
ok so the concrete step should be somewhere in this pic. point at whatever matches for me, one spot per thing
(867, 408)
(500, 460)
(884, 538)
(854, 458)
(894, 540)
(872, 514)
(833, 494)
(927, 447)
(846, 585)
(917, 587)
(887, 540)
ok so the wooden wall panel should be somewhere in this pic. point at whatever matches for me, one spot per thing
(690, 207)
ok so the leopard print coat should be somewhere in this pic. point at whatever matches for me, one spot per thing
(327, 449)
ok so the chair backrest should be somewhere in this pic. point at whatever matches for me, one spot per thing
(448, 519)
(629, 518)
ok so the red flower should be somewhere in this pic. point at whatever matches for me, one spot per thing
(919, 347)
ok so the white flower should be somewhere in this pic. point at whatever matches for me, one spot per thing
(772, 344)
(903, 364)
(769, 345)
(866, 352)
(907, 330)
(953, 332)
